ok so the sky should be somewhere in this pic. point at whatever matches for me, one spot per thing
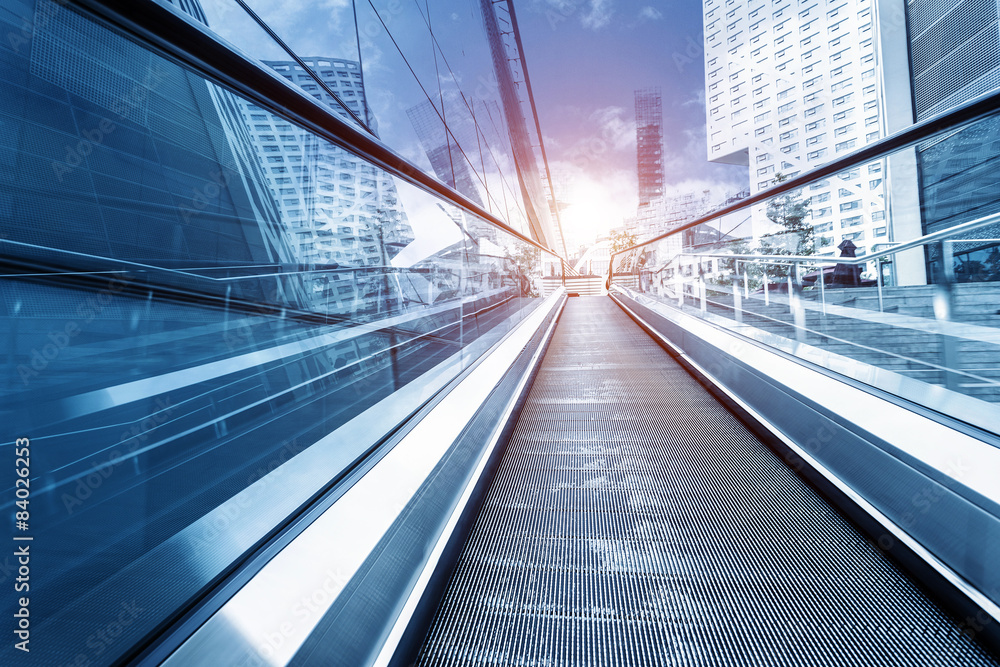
(585, 58)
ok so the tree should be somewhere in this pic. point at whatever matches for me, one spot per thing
(797, 237)
(523, 266)
(620, 240)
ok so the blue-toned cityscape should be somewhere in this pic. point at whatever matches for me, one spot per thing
(507, 332)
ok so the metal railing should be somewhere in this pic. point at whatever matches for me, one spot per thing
(976, 109)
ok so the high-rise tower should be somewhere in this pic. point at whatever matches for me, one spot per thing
(649, 143)
(789, 88)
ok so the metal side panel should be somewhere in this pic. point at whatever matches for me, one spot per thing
(332, 592)
(921, 488)
(635, 521)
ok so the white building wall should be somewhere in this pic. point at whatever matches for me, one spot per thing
(790, 86)
(332, 203)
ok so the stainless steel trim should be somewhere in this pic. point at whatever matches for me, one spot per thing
(890, 526)
(268, 614)
(969, 461)
(183, 40)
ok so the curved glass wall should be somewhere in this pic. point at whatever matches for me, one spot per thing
(210, 315)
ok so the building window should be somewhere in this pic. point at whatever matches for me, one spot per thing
(812, 141)
(784, 122)
(881, 231)
(846, 145)
(821, 197)
(815, 155)
(875, 168)
(825, 227)
(853, 221)
(871, 136)
(843, 129)
(812, 111)
(815, 125)
(790, 147)
(823, 212)
(841, 115)
(850, 205)
(878, 216)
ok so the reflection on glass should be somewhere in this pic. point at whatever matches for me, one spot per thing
(209, 315)
(890, 265)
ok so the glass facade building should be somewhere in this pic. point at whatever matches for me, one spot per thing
(204, 298)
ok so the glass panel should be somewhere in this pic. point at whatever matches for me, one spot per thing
(209, 315)
(841, 273)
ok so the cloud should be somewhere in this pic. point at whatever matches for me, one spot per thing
(597, 15)
(648, 13)
(616, 127)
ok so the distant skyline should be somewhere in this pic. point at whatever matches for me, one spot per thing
(586, 58)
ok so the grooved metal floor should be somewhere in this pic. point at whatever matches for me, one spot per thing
(634, 521)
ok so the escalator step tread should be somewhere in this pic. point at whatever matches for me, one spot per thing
(634, 521)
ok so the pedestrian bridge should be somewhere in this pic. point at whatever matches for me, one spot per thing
(339, 411)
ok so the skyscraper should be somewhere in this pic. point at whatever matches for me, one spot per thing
(536, 204)
(337, 209)
(954, 57)
(649, 144)
(789, 88)
(446, 158)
